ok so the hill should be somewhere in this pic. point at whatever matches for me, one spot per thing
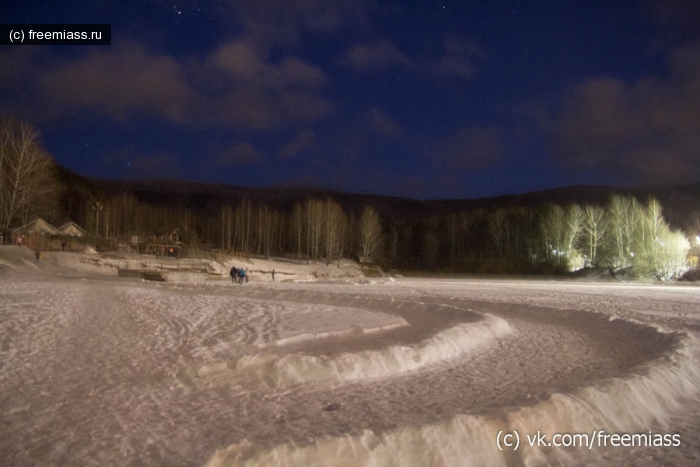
(680, 202)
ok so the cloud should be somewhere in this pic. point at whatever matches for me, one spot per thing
(257, 93)
(244, 62)
(460, 58)
(239, 154)
(470, 148)
(15, 62)
(258, 109)
(272, 23)
(15, 69)
(303, 141)
(373, 57)
(237, 85)
(384, 125)
(642, 132)
(117, 82)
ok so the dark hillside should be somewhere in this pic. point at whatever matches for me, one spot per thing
(679, 202)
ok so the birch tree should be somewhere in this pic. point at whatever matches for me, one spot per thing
(226, 226)
(314, 227)
(370, 235)
(297, 228)
(594, 228)
(335, 226)
(573, 224)
(624, 214)
(498, 231)
(659, 252)
(26, 173)
(552, 229)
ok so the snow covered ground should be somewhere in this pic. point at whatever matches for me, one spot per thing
(98, 370)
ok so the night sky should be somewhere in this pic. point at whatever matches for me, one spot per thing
(424, 99)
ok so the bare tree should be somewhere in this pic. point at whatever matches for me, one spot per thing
(673, 257)
(394, 244)
(297, 225)
(314, 227)
(26, 173)
(648, 242)
(659, 252)
(335, 226)
(269, 223)
(226, 226)
(497, 228)
(243, 226)
(552, 229)
(624, 214)
(370, 235)
(573, 224)
(594, 228)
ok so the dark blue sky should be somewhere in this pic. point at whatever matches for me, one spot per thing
(424, 99)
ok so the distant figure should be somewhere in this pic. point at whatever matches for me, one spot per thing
(242, 275)
(19, 240)
(38, 255)
(234, 273)
(273, 275)
(63, 246)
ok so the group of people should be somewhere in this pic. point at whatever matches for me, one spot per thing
(237, 275)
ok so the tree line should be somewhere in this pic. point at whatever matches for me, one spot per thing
(625, 233)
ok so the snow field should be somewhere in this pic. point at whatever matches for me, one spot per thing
(103, 371)
(643, 396)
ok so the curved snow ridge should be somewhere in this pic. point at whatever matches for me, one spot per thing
(641, 400)
(308, 336)
(283, 372)
(463, 440)
(638, 402)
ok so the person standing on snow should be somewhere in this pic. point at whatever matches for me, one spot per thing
(234, 273)
(242, 275)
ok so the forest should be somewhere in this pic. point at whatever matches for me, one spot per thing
(534, 233)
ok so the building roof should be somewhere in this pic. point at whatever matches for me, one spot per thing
(38, 225)
(71, 228)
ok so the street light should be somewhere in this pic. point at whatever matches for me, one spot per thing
(97, 207)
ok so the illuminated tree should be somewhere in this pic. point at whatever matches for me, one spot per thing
(552, 230)
(560, 230)
(659, 253)
(594, 229)
(623, 219)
